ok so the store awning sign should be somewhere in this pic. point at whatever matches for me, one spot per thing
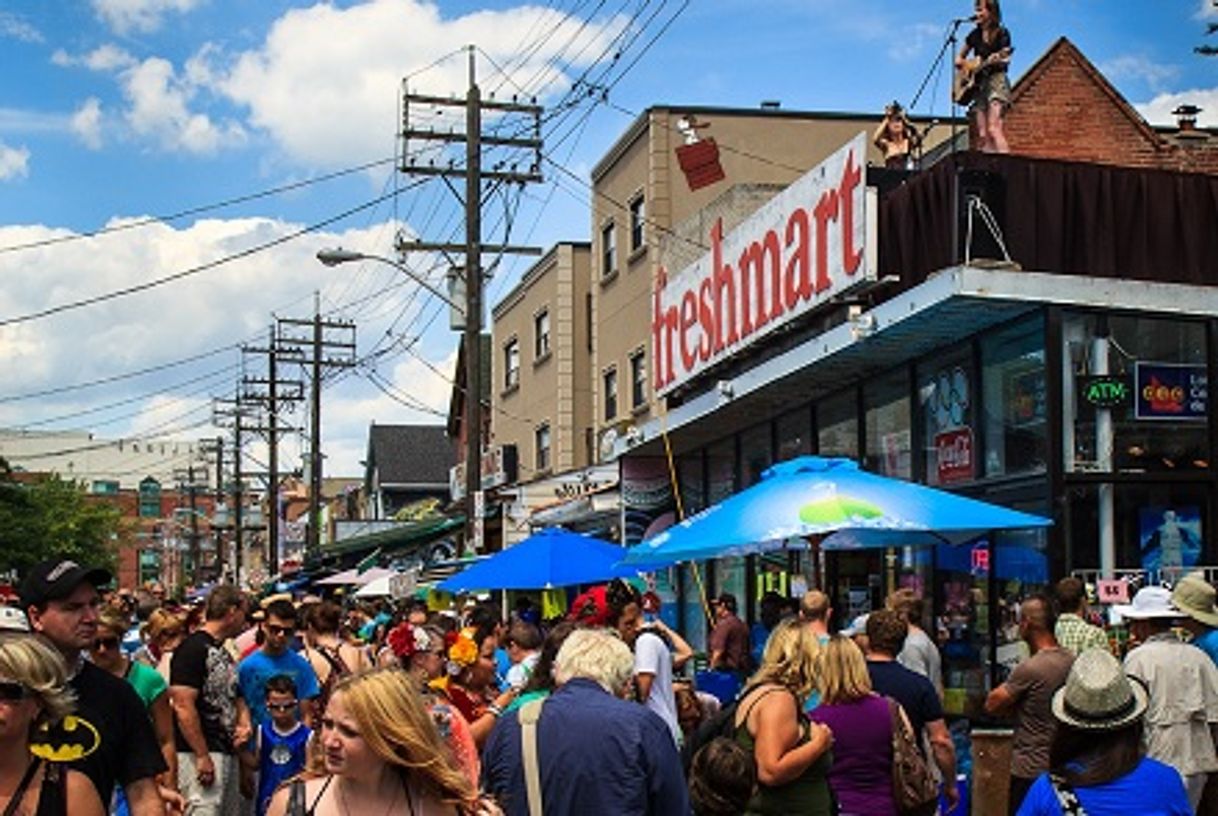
(1105, 391)
(1170, 391)
(803, 247)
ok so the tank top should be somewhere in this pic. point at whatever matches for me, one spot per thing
(807, 794)
(280, 757)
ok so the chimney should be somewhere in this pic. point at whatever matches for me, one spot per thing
(1186, 117)
(771, 104)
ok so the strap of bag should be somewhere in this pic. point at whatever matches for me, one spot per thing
(530, 713)
(1067, 799)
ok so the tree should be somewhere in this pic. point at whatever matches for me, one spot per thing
(50, 518)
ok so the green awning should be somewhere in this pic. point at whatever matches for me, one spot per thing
(400, 537)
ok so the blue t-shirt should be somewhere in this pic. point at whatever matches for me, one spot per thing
(280, 757)
(503, 664)
(1207, 642)
(259, 667)
(1150, 789)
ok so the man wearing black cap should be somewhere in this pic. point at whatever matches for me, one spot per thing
(117, 743)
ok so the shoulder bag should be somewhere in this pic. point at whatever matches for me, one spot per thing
(913, 786)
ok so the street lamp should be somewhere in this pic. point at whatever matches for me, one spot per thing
(470, 315)
(338, 255)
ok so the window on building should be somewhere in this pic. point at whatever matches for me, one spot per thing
(637, 217)
(838, 431)
(888, 425)
(588, 316)
(511, 364)
(608, 250)
(946, 399)
(541, 334)
(541, 442)
(610, 391)
(1013, 392)
(638, 379)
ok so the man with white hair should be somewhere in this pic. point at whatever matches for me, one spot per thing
(594, 752)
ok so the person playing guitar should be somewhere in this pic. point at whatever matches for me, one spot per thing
(990, 43)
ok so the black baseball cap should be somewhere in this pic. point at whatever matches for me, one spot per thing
(58, 578)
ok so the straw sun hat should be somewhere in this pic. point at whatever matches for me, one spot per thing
(1097, 695)
(1194, 596)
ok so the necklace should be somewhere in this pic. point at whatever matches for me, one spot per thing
(342, 797)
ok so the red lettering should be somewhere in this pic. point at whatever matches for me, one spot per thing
(755, 255)
(706, 316)
(851, 176)
(723, 279)
(689, 318)
(661, 376)
(799, 277)
(825, 210)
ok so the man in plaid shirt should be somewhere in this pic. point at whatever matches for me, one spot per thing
(1072, 631)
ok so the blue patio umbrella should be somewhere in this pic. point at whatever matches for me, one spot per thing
(810, 496)
(553, 557)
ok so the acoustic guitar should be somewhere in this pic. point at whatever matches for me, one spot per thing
(964, 84)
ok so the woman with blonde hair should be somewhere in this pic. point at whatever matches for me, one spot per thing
(382, 754)
(162, 633)
(861, 777)
(34, 695)
(792, 755)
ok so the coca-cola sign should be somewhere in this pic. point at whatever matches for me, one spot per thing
(804, 246)
(954, 455)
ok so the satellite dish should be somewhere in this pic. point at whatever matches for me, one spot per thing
(608, 440)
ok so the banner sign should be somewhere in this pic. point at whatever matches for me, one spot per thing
(804, 246)
(954, 455)
(1167, 391)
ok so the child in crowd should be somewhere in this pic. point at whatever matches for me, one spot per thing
(281, 744)
(523, 648)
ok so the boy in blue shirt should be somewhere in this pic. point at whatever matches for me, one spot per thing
(281, 743)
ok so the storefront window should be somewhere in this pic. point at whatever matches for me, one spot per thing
(1020, 566)
(689, 475)
(1159, 529)
(945, 405)
(1013, 395)
(755, 454)
(888, 425)
(794, 434)
(730, 577)
(839, 426)
(1134, 393)
(693, 610)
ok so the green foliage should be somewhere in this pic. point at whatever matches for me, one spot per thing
(53, 518)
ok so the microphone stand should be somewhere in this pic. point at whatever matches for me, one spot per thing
(949, 46)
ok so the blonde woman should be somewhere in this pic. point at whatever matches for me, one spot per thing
(162, 633)
(861, 777)
(382, 755)
(33, 694)
(792, 755)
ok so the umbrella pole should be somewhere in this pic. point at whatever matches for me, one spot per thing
(676, 495)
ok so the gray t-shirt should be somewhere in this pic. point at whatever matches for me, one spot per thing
(1032, 685)
(651, 656)
(920, 654)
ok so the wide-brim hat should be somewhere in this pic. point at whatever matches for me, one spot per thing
(1098, 696)
(1195, 596)
(1150, 602)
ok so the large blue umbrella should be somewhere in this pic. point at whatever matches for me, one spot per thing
(553, 557)
(810, 496)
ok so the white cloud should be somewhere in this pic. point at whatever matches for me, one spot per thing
(1209, 8)
(125, 16)
(108, 57)
(15, 28)
(1158, 76)
(158, 106)
(216, 308)
(14, 162)
(86, 123)
(325, 84)
(913, 40)
(1158, 111)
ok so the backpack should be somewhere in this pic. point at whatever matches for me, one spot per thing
(720, 724)
(338, 670)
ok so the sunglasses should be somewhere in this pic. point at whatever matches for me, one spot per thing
(106, 643)
(272, 629)
(281, 706)
(12, 692)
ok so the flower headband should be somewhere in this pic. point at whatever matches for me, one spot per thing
(407, 640)
(462, 649)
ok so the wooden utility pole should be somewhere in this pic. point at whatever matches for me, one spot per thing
(330, 345)
(474, 174)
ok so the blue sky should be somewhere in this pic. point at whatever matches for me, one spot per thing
(112, 111)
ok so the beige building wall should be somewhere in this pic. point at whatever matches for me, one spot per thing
(763, 149)
(550, 389)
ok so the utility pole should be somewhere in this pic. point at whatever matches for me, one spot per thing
(474, 175)
(277, 393)
(234, 413)
(331, 345)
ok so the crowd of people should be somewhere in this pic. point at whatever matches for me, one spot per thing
(113, 703)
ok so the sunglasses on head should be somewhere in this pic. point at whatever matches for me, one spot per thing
(106, 643)
(12, 692)
(281, 706)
